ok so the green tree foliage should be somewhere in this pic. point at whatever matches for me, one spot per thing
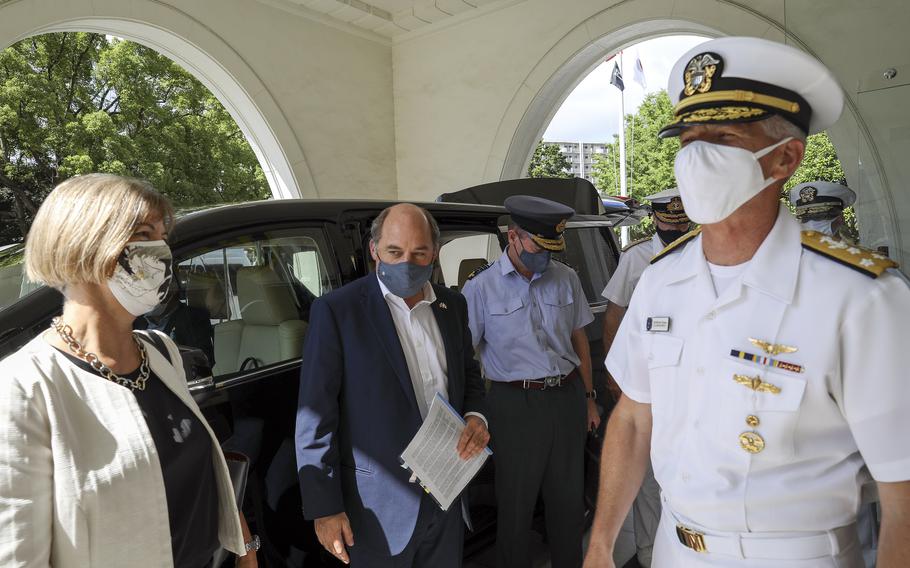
(548, 161)
(74, 103)
(649, 159)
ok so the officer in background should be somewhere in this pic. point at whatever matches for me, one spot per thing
(763, 367)
(670, 223)
(820, 207)
(527, 315)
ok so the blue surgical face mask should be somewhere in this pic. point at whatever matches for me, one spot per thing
(536, 262)
(404, 279)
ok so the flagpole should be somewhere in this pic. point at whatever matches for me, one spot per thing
(624, 232)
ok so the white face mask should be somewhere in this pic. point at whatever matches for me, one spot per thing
(715, 180)
(142, 276)
(821, 225)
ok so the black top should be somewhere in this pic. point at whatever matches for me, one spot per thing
(185, 453)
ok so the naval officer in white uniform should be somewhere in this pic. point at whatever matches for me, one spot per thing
(670, 223)
(819, 206)
(762, 368)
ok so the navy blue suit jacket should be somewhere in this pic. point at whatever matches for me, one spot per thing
(357, 409)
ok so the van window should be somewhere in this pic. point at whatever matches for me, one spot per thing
(246, 303)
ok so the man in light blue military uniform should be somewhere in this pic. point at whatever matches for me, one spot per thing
(527, 315)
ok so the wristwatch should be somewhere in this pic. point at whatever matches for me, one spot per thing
(592, 395)
(253, 545)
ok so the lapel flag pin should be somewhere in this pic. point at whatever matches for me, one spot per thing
(443, 306)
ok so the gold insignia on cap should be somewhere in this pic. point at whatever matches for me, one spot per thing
(721, 114)
(675, 205)
(699, 73)
(752, 442)
(772, 348)
(807, 194)
(561, 226)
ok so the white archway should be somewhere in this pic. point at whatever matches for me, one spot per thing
(199, 50)
(580, 50)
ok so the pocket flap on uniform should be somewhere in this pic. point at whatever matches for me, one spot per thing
(502, 306)
(786, 395)
(665, 350)
(560, 298)
(771, 391)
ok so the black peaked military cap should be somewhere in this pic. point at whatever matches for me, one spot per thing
(543, 219)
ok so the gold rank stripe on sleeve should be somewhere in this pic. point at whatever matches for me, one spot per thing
(676, 245)
(635, 242)
(866, 261)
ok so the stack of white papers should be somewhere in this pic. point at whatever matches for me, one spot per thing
(432, 455)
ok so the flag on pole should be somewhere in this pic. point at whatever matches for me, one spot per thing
(616, 78)
(639, 74)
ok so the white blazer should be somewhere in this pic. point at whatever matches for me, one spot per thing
(80, 481)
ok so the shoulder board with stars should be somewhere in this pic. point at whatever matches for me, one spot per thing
(634, 243)
(678, 244)
(869, 262)
(478, 270)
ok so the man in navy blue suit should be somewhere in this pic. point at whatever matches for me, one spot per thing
(377, 351)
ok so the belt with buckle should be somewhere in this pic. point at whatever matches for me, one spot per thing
(545, 382)
(793, 546)
(691, 538)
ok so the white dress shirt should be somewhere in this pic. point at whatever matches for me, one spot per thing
(845, 411)
(421, 342)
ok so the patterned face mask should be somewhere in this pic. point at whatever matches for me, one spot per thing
(142, 276)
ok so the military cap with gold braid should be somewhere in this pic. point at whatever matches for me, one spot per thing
(820, 199)
(744, 79)
(667, 206)
(543, 219)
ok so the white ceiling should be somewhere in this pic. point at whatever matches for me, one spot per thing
(390, 18)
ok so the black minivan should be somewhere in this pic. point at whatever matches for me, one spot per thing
(312, 247)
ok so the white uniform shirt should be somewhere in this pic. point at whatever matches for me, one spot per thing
(632, 263)
(846, 409)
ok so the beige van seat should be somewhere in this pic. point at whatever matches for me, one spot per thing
(269, 329)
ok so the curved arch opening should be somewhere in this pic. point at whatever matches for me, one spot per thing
(227, 76)
(555, 76)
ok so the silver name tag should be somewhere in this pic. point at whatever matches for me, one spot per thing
(657, 324)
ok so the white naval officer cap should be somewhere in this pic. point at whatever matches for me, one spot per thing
(667, 206)
(745, 79)
(820, 199)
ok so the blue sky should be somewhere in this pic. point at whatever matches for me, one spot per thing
(591, 113)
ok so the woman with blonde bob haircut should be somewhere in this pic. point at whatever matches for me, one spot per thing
(105, 459)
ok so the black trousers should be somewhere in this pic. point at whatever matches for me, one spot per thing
(538, 447)
(437, 542)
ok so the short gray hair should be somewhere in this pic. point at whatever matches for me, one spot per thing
(778, 128)
(376, 226)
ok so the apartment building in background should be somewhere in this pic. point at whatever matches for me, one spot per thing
(581, 156)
